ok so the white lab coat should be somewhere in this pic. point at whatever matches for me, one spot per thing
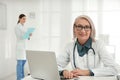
(20, 45)
(104, 63)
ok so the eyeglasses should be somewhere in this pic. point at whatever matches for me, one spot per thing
(80, 27)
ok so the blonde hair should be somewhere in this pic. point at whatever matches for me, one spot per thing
(93, 31)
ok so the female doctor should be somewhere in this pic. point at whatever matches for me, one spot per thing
(20, 47)
(88, 56)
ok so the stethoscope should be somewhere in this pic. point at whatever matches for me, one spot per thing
(91, 50)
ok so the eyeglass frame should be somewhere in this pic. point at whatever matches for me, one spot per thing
(81, 27)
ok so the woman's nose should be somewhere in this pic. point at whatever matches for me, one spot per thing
(82, 30)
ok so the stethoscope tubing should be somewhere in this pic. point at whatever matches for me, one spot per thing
(86, 58)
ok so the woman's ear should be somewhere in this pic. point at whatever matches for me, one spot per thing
(74, 33)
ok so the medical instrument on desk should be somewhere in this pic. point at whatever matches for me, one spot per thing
(90, 49)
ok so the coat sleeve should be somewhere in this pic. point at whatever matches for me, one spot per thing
(19, 32)
(63, 59)
(109, 66)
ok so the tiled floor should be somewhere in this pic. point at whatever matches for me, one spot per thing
(10, 77)
(13, 76)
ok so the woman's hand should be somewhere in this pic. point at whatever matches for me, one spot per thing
(30, 34)
(67, 74)
(80, 72)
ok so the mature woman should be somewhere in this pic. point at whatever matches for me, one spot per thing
(88, 56)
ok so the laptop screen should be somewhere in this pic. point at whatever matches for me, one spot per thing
(43, 65)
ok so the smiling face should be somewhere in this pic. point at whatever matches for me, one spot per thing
(82, 30)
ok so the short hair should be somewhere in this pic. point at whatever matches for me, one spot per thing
(93, 31)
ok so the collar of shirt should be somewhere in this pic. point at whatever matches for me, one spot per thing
(82, 50)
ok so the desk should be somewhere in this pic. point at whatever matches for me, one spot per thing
(82, 78)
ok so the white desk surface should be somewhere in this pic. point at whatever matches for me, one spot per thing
(82, 78)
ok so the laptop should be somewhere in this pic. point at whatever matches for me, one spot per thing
(42, 65)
